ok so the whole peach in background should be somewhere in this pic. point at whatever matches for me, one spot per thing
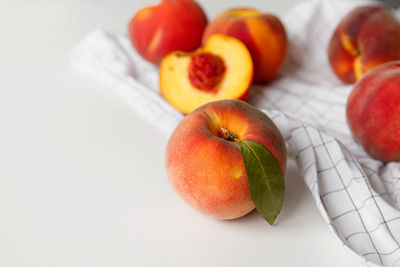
(366, 37)
(373, 112)
(204, 162)
(172, 25)
(263, 34)
(222, 69)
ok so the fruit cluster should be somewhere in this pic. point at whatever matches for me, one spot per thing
(202, 62)
(366, 38)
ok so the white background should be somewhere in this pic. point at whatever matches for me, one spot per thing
(82, 176)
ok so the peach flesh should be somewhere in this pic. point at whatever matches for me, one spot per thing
(178, 90)
(206, 71)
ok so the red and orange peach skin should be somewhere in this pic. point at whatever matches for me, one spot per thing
(206, 169)
(156, 31)
(366, 37)
(263, 34)
(373, 112)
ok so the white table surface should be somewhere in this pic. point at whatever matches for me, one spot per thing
(82, 176)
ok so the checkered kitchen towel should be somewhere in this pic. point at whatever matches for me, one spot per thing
(358, 197)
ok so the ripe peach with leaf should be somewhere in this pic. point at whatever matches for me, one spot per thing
(224, 159)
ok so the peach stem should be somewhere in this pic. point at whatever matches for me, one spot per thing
(229, 136)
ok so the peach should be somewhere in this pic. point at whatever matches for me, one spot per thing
(203, 158)
(373, 112)
(222, 69)
(263, 34)
(155, 31)
(368, 36)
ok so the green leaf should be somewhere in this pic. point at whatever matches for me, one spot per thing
(267, 185)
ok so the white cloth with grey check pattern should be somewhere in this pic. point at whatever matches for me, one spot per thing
(357, 196)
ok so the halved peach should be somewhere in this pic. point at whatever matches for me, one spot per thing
(222, 69)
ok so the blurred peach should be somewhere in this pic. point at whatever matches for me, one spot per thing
(155, 31)
(263, 34)
(368, 36)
